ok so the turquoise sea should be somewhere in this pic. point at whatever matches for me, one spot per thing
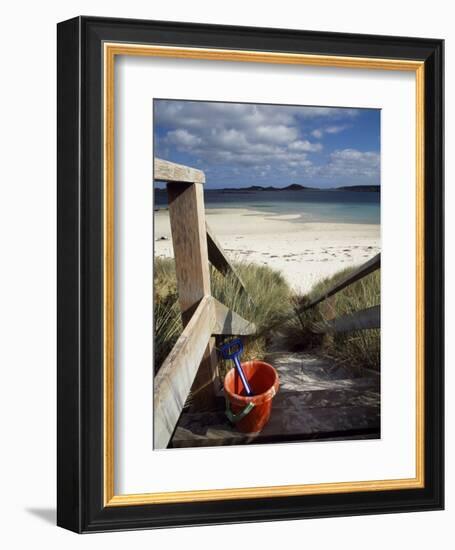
(336, 206)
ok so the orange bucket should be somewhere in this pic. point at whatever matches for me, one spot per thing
(251, 413)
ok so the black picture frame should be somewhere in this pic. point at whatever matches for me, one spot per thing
(80, 477)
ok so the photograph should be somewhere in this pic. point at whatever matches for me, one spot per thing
(287, 212)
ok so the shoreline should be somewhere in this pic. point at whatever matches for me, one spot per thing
(304, 251)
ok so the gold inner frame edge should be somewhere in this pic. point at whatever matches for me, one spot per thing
(110, 50)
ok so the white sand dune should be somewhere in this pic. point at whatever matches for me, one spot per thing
(305, 252)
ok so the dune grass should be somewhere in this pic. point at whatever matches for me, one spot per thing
(273, 307)
(267, 303)
(358, 348)
(168, 323)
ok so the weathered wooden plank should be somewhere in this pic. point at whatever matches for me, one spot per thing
(187, 217)
(324, 423)
(169, 171)
(175, 377)
(360, 320)
(365, 269)
(228, 322)
(218, 257)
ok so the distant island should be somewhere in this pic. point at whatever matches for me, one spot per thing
(292, 187)
(371, 188)
(298, 187)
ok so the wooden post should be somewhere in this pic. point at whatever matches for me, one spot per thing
(187, 217)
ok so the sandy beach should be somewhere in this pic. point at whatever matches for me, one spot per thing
(305, 252)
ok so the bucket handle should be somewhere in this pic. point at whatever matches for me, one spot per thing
(234, 418)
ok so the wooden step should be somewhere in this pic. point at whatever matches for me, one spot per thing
(317, 400)
(346, 413)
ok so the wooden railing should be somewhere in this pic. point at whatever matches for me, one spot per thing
(192, 364)
(363, 319)
(360, 320)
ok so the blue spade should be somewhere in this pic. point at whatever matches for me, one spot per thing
(232, 350)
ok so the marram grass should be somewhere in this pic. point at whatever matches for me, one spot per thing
(267, 302)
(273, 307)
(356, 348)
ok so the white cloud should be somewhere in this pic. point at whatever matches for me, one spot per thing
(319, 132)
(335, 129)
(183, 138)
(305, 145)
(353, 155)
(276, 134)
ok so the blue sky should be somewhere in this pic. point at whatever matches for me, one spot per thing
(240, 144)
